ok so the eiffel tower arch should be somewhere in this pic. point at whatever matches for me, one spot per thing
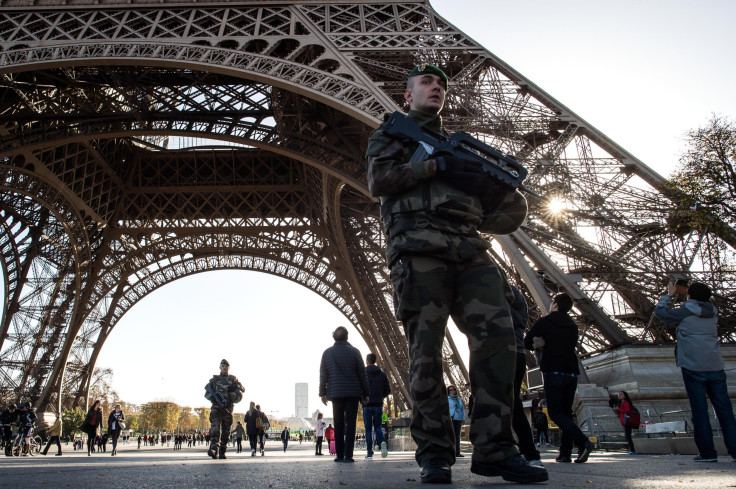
(142, 142)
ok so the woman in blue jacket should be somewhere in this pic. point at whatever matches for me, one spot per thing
(457, 413)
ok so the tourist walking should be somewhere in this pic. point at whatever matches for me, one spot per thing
(557, 334)
(54, 433)
(239, 432)
(92, 423)
(699, 357)
(115, 424)
(342, 381)
(265, 425)
(319, 432)
(285, 437)
(251, 427)
(378, 389)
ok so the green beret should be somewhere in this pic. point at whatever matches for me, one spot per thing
(425, 68)
(225, 362)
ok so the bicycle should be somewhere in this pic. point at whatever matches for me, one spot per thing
(19, 445)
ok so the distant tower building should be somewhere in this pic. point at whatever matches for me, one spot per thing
(301, 398)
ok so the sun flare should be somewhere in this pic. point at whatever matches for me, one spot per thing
(556, 205)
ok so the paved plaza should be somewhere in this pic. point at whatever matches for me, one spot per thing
(162, 467)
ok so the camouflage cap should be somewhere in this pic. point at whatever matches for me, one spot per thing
(225, 362)
(425, 68)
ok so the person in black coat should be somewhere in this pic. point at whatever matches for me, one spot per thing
(114, 426)
(378, 389)
(342, 380)
(251, 428)
(557, 335)
(92, 422)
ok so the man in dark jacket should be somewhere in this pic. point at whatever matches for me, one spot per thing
(378, 389)
(699, 357)
(557, 334)
(342, 381)
(7, 418)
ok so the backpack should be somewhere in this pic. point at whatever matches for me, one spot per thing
(259, 423)
(632, 419)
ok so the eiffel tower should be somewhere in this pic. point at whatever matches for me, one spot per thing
(142, 141)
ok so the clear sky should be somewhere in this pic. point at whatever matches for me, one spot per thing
(642, 72)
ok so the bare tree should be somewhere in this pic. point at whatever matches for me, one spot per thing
(101, 388)
(706, 178)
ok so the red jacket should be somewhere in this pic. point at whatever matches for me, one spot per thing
(624, 408)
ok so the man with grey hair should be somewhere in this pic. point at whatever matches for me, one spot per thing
(342, 381)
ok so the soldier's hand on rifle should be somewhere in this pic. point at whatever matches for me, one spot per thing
(464, 175)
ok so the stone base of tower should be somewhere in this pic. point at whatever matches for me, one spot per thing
(654, 383)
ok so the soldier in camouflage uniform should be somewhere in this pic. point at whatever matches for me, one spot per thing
(221, 418)
(432, 211)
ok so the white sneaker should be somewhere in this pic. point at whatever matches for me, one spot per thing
(384, 450)
(369, 457)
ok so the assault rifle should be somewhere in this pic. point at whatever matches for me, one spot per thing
(503, 168)
(217, 397)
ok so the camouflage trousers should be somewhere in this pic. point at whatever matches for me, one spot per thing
(220, 422)
(427, 291)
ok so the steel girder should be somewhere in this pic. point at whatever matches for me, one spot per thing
(91, 95)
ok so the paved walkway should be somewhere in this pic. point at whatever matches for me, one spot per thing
(158, 468)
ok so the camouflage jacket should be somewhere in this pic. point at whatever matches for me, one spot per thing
(422, 213)
(229, 386)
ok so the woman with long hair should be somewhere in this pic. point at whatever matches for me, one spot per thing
(250, 427)
(624, 408)
(114, 427)
(91, 423)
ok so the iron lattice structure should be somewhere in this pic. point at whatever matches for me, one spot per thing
(144, 141)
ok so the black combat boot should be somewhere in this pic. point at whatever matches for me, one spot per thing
(512, 469)
(436, 471)
(212, 452)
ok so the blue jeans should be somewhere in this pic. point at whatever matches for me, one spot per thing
(560, 393)
(372, 420)
(712, 384)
